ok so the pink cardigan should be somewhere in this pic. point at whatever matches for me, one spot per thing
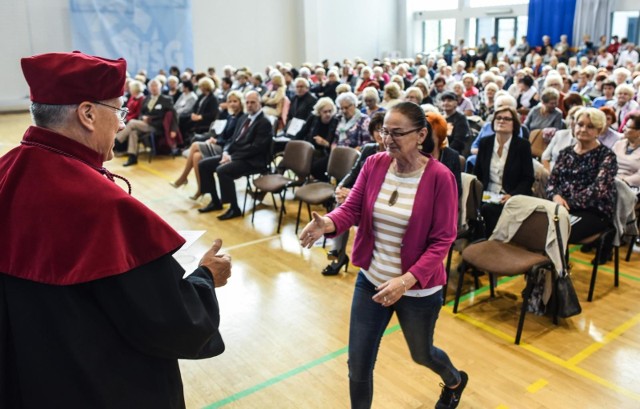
(432, 225)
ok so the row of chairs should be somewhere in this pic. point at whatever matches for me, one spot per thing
(524, 254)
(293, 171)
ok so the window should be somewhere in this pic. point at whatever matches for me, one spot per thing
(626, 24)
(437, 32)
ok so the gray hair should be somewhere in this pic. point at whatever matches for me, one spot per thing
(505, 100)
(51, 116)
(323, 102)
(349, 97)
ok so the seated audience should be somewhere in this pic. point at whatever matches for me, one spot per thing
(561, 139)
(320, 130)
(371, 99)
(302, 104)
(187, 100)
(392, 95)
(458, 126)
(413, 94)
(352, 129)
(273, 101)
(623, 103)
(204, 112)
(441, 152)
(504, 165)
(627, 152)
(546, 114)
(582, 180)
(609, 136)
(154, 108)
(173, 88)
(213, 146)
(136, 97)
(248, 151)
(465, 106)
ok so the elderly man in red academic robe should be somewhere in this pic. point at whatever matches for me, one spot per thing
(94, 310)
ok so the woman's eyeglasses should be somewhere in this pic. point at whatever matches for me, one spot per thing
(395, 134)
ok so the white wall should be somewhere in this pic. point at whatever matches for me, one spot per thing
(336, 29)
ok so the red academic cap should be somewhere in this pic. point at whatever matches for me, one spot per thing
(71, 78)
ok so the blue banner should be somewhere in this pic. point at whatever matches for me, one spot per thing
(149, 34)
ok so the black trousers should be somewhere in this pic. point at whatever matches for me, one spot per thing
(207, 169)
(228, 173)
(491, 213)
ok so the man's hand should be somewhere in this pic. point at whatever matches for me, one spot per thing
(218, 264)
(225, 158)
(173, 134)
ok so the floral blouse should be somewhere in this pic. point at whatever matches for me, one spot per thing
(585, 181)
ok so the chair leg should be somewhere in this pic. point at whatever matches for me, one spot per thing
(594, 272)
(309, 211)
(476, 279)
(275, 203)
(633, 240)
(253, 211)
(616, 264)
(298, 218)
(448, 271)
(491, 286)
(525, 302)
(246, 193)
(281, 210)
(458, 291)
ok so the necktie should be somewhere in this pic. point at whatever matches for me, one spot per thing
(243, 131)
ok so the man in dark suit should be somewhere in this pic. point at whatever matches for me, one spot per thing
(458, 136)
(154, 108)
(302, 104)
(504, 164)
(246, 153)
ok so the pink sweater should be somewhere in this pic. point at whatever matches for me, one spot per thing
(432, 225)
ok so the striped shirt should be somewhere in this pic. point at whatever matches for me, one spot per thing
(389, 226)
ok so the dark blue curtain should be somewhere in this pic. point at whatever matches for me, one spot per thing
(550, 17)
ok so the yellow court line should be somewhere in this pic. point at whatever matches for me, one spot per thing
(154, 172)
(537, 385)
(591, 349)
(552, 358)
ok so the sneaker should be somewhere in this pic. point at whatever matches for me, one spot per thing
(450, 398)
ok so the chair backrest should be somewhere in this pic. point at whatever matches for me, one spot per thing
(474, 200)
(463, 162)
(297, 157)
(538, 144)
(341, 160)
(532, 233)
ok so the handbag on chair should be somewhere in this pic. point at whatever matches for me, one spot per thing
(566, 299)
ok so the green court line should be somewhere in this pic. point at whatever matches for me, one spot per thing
(237, 396)
(605, 269)
(270, 382)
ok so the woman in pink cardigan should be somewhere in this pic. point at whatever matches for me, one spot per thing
(405, 205)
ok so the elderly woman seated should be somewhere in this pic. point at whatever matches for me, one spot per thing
(392, 94)
(609, 136)
(546, 114)
(628, 153)
(504, 165)
(319, 130)
(413, 94)
(371, 99)
(352, 129)
(582, 180)
(273, 101)
(623, 103)
(465, 106)
(561, 140)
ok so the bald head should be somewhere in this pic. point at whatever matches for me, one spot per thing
(252, 102)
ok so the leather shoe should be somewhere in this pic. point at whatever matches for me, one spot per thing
(211, 207)
(230, 214)
(132, 160)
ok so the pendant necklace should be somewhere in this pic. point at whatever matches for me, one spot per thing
(394, 195)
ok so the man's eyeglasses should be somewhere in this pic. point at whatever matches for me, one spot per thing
(395, 134)
(504, 119)
(121, 113)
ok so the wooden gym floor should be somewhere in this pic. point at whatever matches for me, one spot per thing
(286, 326)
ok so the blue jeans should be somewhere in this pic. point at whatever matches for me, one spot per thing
(417, 316)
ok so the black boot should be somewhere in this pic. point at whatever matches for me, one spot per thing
(132, 160)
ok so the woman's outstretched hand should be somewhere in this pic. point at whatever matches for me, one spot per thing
(314, 230)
